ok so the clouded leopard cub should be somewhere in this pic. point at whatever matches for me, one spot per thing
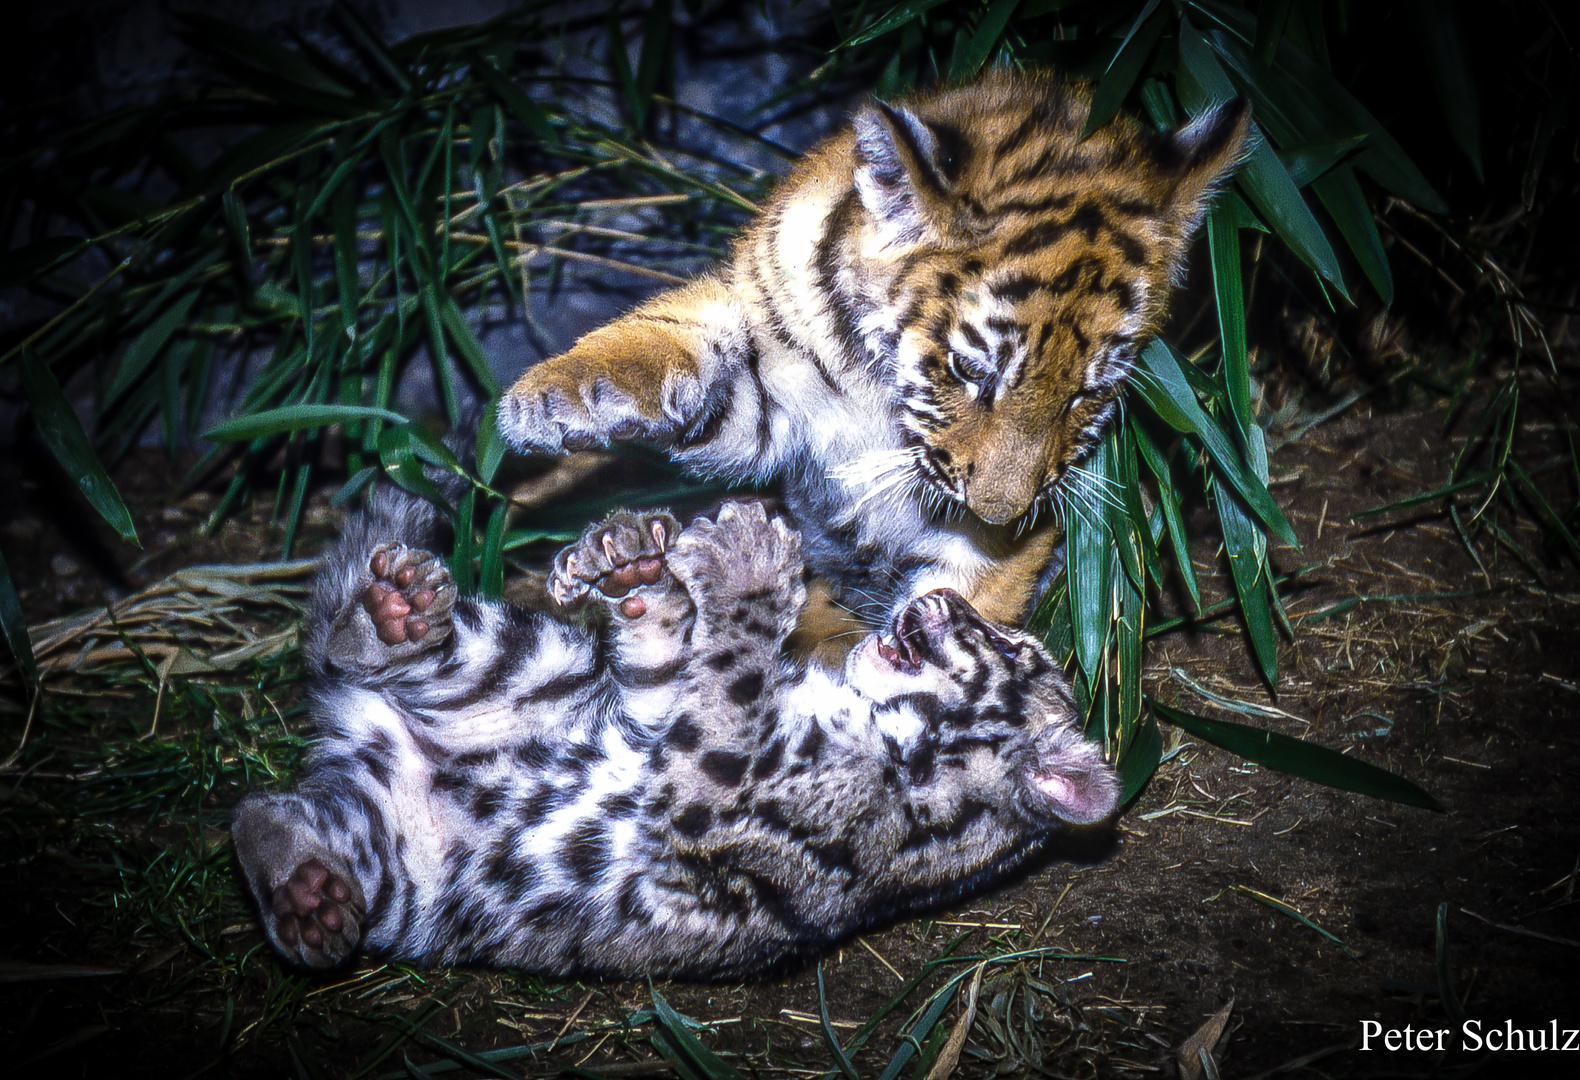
(656, 790)
(920, 336)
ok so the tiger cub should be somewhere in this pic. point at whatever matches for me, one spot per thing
(656, 791)
(921, 334)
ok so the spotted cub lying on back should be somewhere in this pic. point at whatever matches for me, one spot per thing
(656, 790)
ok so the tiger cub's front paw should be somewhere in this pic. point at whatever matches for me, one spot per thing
(556, 411)
(621, 560)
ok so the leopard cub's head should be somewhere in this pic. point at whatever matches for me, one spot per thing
(996, 701)
(1023, 266)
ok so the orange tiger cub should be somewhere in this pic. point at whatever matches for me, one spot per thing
(927, 326)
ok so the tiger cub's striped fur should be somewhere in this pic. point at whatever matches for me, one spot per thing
(659, 792)
(921, 334)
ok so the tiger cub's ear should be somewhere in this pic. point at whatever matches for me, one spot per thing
(906, 169)
(1203, 155)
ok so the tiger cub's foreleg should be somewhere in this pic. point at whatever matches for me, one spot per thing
(662, 373)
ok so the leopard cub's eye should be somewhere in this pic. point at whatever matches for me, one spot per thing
(968, 369)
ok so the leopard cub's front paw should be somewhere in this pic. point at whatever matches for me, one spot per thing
(743, 556)
(400, 614)
(619, 560)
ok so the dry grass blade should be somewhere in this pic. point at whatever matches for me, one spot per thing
(949, 1056)
(1195, 1051)
(200, 619)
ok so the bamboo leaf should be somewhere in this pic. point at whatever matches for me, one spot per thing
(1223, 239)
(704, 1061)
(829, 1038)
(898, 16)
(490, 445)
(460, 332)
(1203, 84)
(62, 432)
(295, 418)
(461, 558)
(1137, 764)
(491, 572)
(1300, 85)
(145, 348)
(1341, 195)
(651, 60)
(1087, 548)
(971, 53)
(346, 250)
(1125, 68)
(1171, 504)
(1163, 386)
(1307, 760)
(398, 454)
(515, 99)
(1310, 160)
(14, 624)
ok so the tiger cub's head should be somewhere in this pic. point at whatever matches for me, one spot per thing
(1027, 267)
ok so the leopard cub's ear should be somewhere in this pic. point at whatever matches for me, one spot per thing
(906, 168)
(1202, 156)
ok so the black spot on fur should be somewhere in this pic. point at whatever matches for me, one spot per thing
(486, 803)
(540, 805)
(694, 820)
(586, 853)
(768, 762)
(534, 754)
(722, 661)
(812, 744)
(723, 767)
(746, 689)
(684, 733)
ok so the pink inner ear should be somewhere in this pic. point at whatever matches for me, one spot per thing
(1080, 799)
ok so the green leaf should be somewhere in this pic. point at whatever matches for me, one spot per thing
(898, 16)
(1442, 41)
(1162, 384)
(375, 46)
(703, 1061)
(1297, 757)
(1299, 85)
(829, 1038)
(515, 99)
(1310, 160)
(460, 332)
(229, 41)
(1341, 194)
(398, 453)
(294, 418)
(346, 245)
(1138, 763)
(1087, 549)
(145, 348)
(1125, 68)
(491, 572)
(1170, 502)
(971, 53)
(1246, 548)
(923, 1027)
(14, 624)
(461, 559)
(1271, 18)
(1203, 84)
(490, 445)
(651, 60)
(62, 432)
(1223, 241)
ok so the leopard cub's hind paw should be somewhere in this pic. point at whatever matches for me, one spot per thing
(618, 560)
(411, 593)
(316, 915)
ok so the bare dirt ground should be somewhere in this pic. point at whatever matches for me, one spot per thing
(1464, 678)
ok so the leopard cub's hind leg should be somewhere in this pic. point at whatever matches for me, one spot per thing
(401, 612)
